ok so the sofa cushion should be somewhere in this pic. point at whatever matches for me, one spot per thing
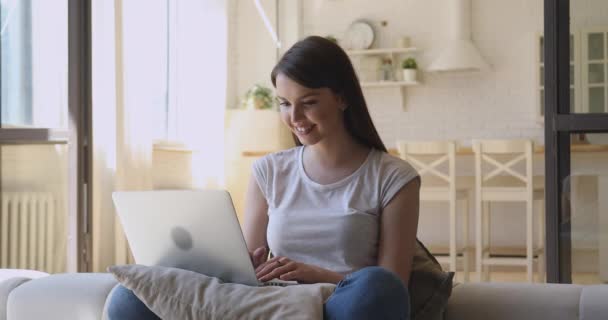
(77, 296)
(25, 273)
(506, 301)
(6, 286)
(173, 293)
(594, 302)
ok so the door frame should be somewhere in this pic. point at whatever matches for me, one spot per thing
(559, 124)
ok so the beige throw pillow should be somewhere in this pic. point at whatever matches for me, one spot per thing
(429, 287)
(181, 294)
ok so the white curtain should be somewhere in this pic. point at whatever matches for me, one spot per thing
(201, 67)
(130, 98)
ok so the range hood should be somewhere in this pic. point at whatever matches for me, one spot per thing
(460, 54)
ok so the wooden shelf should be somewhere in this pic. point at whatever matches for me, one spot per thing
(379, 84)
(381, 51)
(394, 53)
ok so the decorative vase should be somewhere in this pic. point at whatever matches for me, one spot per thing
(409, 75)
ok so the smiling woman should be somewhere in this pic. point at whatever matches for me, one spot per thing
(313, 114)
(327, 72)
(337, 208)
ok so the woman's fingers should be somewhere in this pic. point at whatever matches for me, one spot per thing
(265, 264)
(274, 267)
(259, 255)
(267, 267)
(279, 271)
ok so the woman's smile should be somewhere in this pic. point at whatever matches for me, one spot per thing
(303, 130)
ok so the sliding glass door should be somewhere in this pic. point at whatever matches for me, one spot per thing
(44, 103)
(576, 138)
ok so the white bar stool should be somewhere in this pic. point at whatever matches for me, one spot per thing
(506, 182)
(439, 184)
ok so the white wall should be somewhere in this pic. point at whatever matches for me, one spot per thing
(499, 103)
(254, 51)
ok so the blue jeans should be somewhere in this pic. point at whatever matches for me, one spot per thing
(369, 293)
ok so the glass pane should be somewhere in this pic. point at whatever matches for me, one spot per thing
(596, 46)
(146, 62)
(596, 100)
(572, 75)
(33, 214)
(34, 63)
(572, 100)
(596, 73)
(542, 76)
(542, 102)
(542, 50)
(571, 48)
(587, 190)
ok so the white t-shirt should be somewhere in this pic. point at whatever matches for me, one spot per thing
(333, 226)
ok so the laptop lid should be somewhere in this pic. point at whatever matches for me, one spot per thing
(196, 230)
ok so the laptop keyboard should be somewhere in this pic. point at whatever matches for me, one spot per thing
(279, 283)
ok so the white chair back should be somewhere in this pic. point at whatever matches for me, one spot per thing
(499, 163)
(435, 161)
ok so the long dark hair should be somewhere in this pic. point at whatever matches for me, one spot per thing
(316, 62)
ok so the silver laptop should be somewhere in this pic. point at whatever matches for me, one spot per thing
(193, 230)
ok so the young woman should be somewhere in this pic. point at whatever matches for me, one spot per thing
(335, 209)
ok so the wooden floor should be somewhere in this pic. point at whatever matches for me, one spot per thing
(514, 276)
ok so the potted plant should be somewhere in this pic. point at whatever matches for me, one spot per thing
(257, 98)
(331, 38)
(409, 66)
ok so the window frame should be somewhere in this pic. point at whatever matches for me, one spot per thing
(76, 136)
(585, 62)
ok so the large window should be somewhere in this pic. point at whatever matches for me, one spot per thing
(162, 51)
(34, 63)
(44, 101)
(146, 60)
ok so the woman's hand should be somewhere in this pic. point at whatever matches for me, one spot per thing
(258, 256)
(286, 269)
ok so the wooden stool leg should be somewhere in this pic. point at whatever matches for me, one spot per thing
(453, 234)
(541, 240)
(465, 229)
(478, 239)
(486, 239)
(529, 241)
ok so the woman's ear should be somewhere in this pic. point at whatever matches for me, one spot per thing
(341, 101)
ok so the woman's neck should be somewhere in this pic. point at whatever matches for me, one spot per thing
(338, 152)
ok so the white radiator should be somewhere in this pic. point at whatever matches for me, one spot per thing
(28, 231)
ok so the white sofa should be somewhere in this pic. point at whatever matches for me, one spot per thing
(84, 296)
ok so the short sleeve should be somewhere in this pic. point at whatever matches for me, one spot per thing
(260, 171)
(396, 175)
